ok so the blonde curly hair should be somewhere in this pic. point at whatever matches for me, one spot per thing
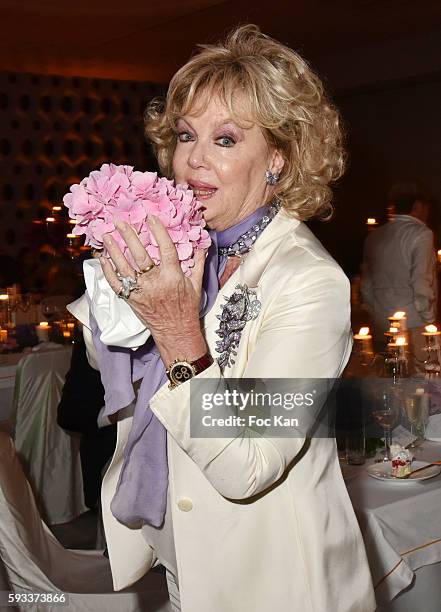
(287, 101)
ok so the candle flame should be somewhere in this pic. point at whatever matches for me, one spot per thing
(44, 324)
(364, 331)
(50, 219)
(4, 296)
(400, 341)
(400, 314)
(431, 329)
(72, 236)
(393, 330)
(371, 221)
(56, 208)
(73, 221)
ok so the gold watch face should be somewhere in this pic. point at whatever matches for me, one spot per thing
(180, 372)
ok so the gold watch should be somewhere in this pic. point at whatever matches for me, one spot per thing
(181, 370)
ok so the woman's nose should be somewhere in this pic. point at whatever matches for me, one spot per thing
(197, 155)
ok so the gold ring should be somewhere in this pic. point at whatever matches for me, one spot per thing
(150, 267)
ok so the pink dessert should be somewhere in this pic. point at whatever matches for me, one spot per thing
(401, 461)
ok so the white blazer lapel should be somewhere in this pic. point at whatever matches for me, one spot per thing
(248, 273)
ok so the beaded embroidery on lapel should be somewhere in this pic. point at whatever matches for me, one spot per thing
(242, 306)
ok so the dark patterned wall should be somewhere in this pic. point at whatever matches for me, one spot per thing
(54, 131)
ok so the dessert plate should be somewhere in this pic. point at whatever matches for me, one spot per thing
(383, 471)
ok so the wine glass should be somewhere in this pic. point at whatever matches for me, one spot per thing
(417, 412)
(386, 414)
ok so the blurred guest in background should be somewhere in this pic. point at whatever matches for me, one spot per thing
(399, 268)
(79, 409)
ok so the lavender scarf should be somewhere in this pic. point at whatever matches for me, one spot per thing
(141, 495)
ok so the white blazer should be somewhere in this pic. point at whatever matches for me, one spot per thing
(260, 524)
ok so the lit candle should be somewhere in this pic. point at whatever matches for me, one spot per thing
(71, 236)
(3, 335)
(4, 296)
(439, 256)
(66, 334)
(401, 343)
(364, 342)
(371, 221)
(50, 219)
(73, 221)
(398, 350)
(398, 319)
(392, 331)
(431, 330)
(56, 208)
(70, 326)
(43, 330)
(363, 334)
(400, 314)
(432, 334)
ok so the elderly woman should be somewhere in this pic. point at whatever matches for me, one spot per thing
(247, 523)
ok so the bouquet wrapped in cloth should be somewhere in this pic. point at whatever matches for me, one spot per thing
(121, 193)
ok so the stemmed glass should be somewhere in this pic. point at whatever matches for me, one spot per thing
(417, 413)
(386, 414)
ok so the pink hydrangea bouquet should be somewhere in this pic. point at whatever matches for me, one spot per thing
(122, 193)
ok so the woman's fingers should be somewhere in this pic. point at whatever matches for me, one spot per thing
(169, 255)
(198, 269)
(139, 254)
(121, 263)
(110, 274)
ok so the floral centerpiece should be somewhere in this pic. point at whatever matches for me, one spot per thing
(121, 193)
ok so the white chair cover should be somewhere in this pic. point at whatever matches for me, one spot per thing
(36, 562)
(7, 383)
(50, 456)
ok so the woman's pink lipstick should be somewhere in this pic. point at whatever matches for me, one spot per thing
(202, 191)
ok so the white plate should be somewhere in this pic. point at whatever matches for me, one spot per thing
(383, 471)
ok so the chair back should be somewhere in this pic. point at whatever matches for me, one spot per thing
(32, 560)
(23, 543)
(50, 456)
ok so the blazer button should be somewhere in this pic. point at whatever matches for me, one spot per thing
(185, 504)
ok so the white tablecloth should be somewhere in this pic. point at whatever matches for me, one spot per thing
(401, 526)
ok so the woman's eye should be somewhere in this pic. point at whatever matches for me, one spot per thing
(226, 141)
(184, 137)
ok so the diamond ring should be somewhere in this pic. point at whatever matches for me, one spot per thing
(128, 284)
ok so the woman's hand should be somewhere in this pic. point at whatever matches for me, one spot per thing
(165, 299)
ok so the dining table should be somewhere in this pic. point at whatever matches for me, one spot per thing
(400, 520)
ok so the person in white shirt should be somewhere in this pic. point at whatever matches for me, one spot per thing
(399, 268)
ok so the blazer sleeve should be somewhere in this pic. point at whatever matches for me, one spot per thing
(305, 334)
